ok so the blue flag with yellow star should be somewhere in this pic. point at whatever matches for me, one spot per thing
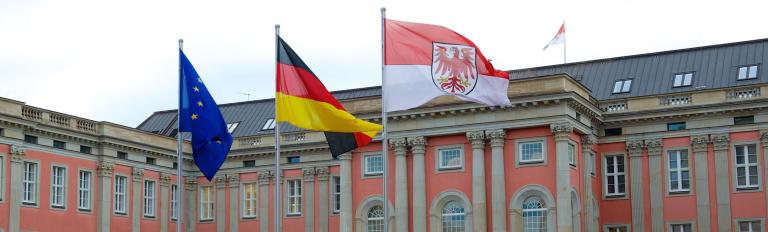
(200, 115)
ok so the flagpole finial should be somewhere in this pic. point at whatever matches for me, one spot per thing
(181, 43)
(277, 26)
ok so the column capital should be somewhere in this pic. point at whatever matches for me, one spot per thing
(764, 137)
(17, 153)
(497, 137)
(561, 130)
(653, 146)
(635, 147)
(476, 138)
(220, 181)
(720, 141)
(190, 183)
(322, 173)
(233, 180)
(418, 144)
(587, 141)
(699, 143)
(104, 168)
(165, 179)
(137, 174)
(345, 156)
(264, 177)
(308, 174)
(399, 146)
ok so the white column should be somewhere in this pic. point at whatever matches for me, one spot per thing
(264, 179)
(635, 149)
(477, 139)
(17, 170)
(589, 211)
(401, 184)
(764, 140)
(700, 144)
(233, 182)
(165, 181)
(322, 201)
(309, 198)
(136, 212)
(191, 205)
(722, 181)
(219, 206)
(104, 172)
(418, 146)
(346, 224)
(498, 189)
(562, 132)
(656, 186)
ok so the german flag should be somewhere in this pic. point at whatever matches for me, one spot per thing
(302, 100)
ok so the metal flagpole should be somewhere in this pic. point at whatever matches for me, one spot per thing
(277, 139)
(564, 40)
(179, 152)
(384, 144)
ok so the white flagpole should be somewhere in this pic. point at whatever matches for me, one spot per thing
(179, 152)
(277, 140)
(564, 40)
(384, 144)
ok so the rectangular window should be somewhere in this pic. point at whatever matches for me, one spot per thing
(687, 227)
(121, 184)
(149, 198)
(206, 203)
(249, 163)
(336, 194)
(679, 172)
(85, 149)
(31, 139)
(293, 159)
(592, 164)
(612, 131)
(249, 200)
(683, 79)
(450, 159)
(750, 226)
(374, 165)
(84, 191)
(59, 144)
(151, 160)
(572, 155)
(232, 126)
(294, 197)
(269, 125)
(122, 155)
(531, 152)
(615, 176)
(617, 228)
(675, 126)
(746, 167)
(622, 86)
(58, 181)
(174, 201)
(743, 120)
(747, 72)
(29, 184)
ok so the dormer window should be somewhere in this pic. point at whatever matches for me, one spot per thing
(747, 72)
(270, 125)
(232, 126)
(622, 86)
(683, 79)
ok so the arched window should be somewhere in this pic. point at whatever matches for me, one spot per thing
(376, 219)
(534, 215)
(575, 212)
(453, 217)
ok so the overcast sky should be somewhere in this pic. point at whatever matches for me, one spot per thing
(117, 60)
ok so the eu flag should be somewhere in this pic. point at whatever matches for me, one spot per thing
(200, 115)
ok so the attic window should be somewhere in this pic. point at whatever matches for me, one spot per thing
(683, 79)
(622, 86)
(747, 72)
(270, 125)
(232, 126)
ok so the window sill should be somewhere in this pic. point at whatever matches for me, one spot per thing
(206, 221)
(522, 164)
(747, 189)
(84, 211)
(680, 193)
(248, 218)
(120, 214)
(294, 215)
(615, 197)
(149, 217)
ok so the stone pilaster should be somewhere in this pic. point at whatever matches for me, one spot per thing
(191, 207)
(165, 182)
(654, 147)
(136, 211)
(264, 179)
(635, 150)
(221, 213)
(477, 139)
(498, 189)
(104, 171)
(309, 198)
(562, 133)
(418, 147)
(345, 215)
(17, 170)
(323, 174)
(699, 144)
(589, 211)
(764, 140)
(233, 182)
(401, 184)
(720, 143)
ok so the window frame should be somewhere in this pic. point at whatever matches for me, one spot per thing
(294, 192)
(439, 165)
(365, 171)
(86, 193)
(737, 223)
(747, 68)
(572, 154)
(206, 203)
(606, 175)
(740, 120)
(35, 191)
(592, 164)
(608, 227)
(149, 199)
(519, 162)
(444, 215)
(232, 126)
(682, 76)
(269, 124)
(86, 149)
(670, 124)
(671, 225)
(63, 186)
(58, 144)
(173, 214)
(736, 166)
(123, 201)
(254, 200)
(678, 190)
(31, 139)
(543, 209)
(2, 177)
(336, 195)
(623, 86)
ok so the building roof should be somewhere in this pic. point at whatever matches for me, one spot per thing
(714, 66)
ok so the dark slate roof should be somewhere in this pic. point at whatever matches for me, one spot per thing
(714, 66)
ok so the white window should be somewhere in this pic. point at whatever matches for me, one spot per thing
(374, 164)
(84, 190)
(58, 182)
(572, 155)
(683, 79)
(450, 158)
(622, 86)
(206, 203)
(269, 125)
(121, 184)
(336, 194)
(750, 226)
(149, 198)
(687, 227)
(453, 217)
(531, 152)
(249, 200)
(29, 188)
(747, 72)
(375, 221)
(615, 177)
(174, 202)
(746, 167)
(294, 197)
(232, 126)
(617, 228)
(679, 172)
(534, 215)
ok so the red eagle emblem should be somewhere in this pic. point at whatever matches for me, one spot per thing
(453, 68)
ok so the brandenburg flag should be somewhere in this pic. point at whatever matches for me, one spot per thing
(303, 101)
